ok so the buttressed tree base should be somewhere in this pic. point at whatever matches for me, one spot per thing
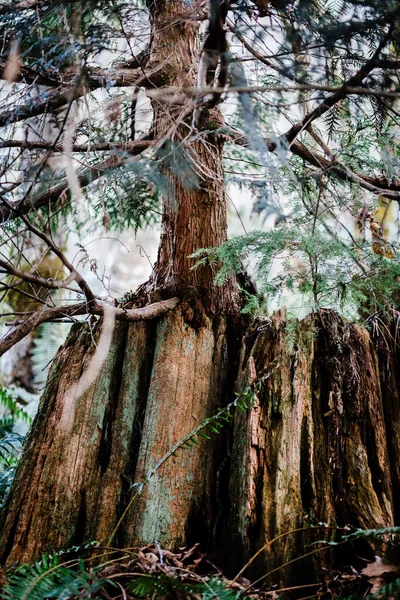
(317, 440)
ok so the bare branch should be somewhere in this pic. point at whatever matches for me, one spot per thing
(257, 55)
(22, 5)
(47, 102)
(36, 279)
(152, 311)
(59, 97)
(128, 146)
(49, 242)
(77, 87)
(122, 73)
(27, 74)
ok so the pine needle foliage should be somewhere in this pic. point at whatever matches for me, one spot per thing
(327, 270)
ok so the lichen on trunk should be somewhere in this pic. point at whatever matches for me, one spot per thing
(159, 380)
(314, 447)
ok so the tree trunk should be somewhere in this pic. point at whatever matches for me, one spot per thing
(159, 380)
(320, 443)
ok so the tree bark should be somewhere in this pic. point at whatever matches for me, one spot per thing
(194, 202)
(320, 443)
(159, 380)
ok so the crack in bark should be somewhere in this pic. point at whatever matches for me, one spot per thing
(106, 439)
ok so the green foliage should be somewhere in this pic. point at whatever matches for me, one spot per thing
(6, 478)
(10, 442)
(251, 304)
(12, 407)
(215, 588)
(149, 586)
(318, 44)
(48, 578)
(152, 573)
(390, 590)
(321, 269)
(129, 200)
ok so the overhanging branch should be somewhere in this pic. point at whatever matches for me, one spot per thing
(354, 81)
(378, 185)
(77, 86)
(102, 146)
(152, 311)
(36, 279)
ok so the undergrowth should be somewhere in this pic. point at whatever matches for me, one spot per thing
(10, 441)
(151, 572)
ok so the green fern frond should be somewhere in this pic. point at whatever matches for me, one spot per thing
(147, 586)
(48, 579)
(390, 590)
(11, 405)
(218, 590)
(9, 444)
(155, 585)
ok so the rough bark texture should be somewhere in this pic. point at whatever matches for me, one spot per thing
(158, 382)
(321, 442)
(194, 202)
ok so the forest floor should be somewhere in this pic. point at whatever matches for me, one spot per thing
(151, 572)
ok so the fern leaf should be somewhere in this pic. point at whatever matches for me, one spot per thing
(217, 589)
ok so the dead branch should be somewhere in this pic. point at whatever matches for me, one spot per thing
(55, 249)
(35, 279)
(23, 328)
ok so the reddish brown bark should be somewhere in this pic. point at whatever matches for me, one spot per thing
(316, 446)
(194, 203)
(159, 381)
(321, 443)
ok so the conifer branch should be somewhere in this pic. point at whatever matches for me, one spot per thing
(85, 177)
(353, 82)
(377, 185)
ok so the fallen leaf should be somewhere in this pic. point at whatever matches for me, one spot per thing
(378, 568)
